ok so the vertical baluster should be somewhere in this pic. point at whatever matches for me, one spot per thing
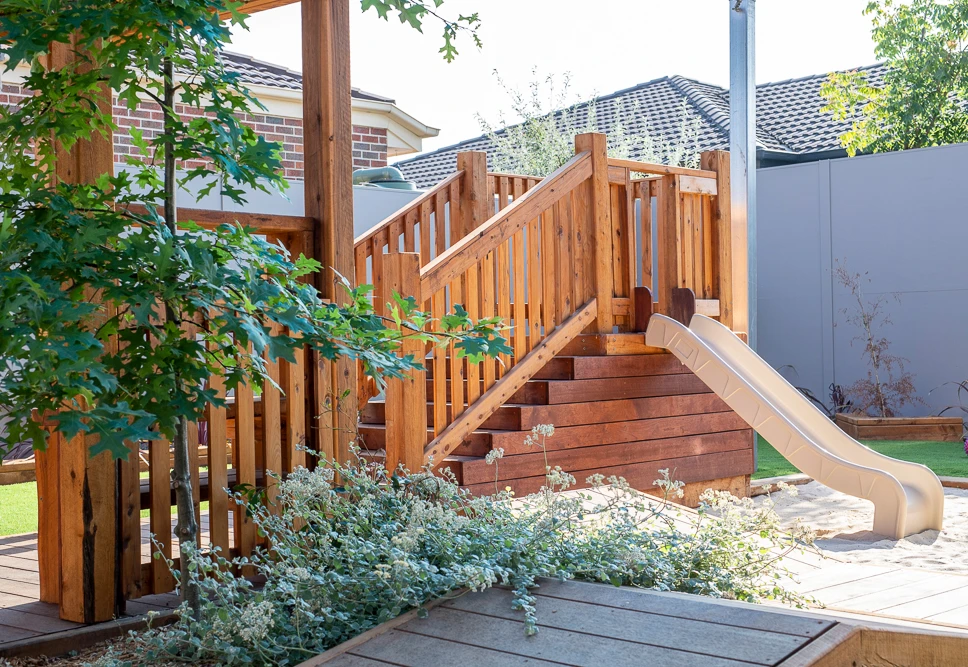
(456, 297)
(272, 424)
(503, 296)
(379, 298)
(293, 383)
(395, 231)
(359, 263)
(549, 281)
(218, 503)
(159, 484)
(520, 329)
(707, 248)
(579, 200)
(667, 250)
(409, 223)
(686, 249)
(533, 255)
(244, 453)
(565, 259)
(645, 233)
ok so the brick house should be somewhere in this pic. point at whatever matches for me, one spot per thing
(381, 130)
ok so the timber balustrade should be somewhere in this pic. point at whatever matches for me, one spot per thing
(553, 258)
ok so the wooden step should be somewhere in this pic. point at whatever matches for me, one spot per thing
(559, 368)
(516, 417)
(531, 392)
(477, 471)
(642, 475)
(608, 389)
(476, 444)
(572, 437)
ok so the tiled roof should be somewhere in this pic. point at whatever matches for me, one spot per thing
(254, 72)
(788, 119)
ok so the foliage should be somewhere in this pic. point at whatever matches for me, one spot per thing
(547, 119)
(888, 387)
(374, 546)
(839, 403)
(925, 88)
(96, 291)
(414, 12)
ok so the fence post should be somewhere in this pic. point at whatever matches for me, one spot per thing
(729, 242)
(406, 398)
(600, 231)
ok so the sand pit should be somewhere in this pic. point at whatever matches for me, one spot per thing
(842, 524)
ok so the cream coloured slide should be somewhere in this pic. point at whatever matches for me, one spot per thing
(908, 497)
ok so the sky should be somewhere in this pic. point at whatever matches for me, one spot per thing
(605, 45)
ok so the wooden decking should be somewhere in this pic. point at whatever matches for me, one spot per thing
(583, 624)
(26, 622)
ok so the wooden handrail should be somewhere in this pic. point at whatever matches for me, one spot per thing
(475, 246)
(409, 208)
(271, 223)
(664, 169)
(504, 388)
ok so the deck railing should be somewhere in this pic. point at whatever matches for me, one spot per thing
(257, 432)
(576, 247)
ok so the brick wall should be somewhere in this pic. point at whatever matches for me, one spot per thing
(369, 143)
(369, 147)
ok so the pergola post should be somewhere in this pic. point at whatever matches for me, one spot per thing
(742, 160)
(328, 168)
(77, 494)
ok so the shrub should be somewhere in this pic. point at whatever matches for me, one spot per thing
(888, 386)
(346, 556)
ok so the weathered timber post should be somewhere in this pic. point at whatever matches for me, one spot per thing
(79, 518)
(600, 228)
(406, 398)
(328, 168)
(731, 269)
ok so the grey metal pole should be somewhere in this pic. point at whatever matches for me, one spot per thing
(742, 147)
(742, 137)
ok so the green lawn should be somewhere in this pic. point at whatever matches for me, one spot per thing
(946, 459)
(18, 508)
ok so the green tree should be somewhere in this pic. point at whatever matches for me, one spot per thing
(99, 281)
(921, 102)
(540, 137)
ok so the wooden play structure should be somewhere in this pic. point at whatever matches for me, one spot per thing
(567, 262)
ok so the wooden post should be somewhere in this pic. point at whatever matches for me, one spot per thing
(729, 241)
(600, 234)
(328, 164)
(406, 399)
(669, 245)
(84, 555)
(473, 213)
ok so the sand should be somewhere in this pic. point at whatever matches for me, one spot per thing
(842, 524)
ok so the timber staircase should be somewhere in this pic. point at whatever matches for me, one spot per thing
(567, 263)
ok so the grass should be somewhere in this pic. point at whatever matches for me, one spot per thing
(946, 459)
(18, 508)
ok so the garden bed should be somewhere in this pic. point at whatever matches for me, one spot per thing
(862, 427)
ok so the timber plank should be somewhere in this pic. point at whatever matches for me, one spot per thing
(639, 430)
(399, 647)
(562, 646)
(684, 606)
(642, 476)
(672, 632)
(624, 454)
(607, 389)
(619, 410)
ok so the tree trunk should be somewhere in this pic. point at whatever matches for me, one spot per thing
(186, 529)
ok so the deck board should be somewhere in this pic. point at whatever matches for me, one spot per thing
(588, 625)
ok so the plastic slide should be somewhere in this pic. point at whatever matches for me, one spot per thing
(908, 497)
